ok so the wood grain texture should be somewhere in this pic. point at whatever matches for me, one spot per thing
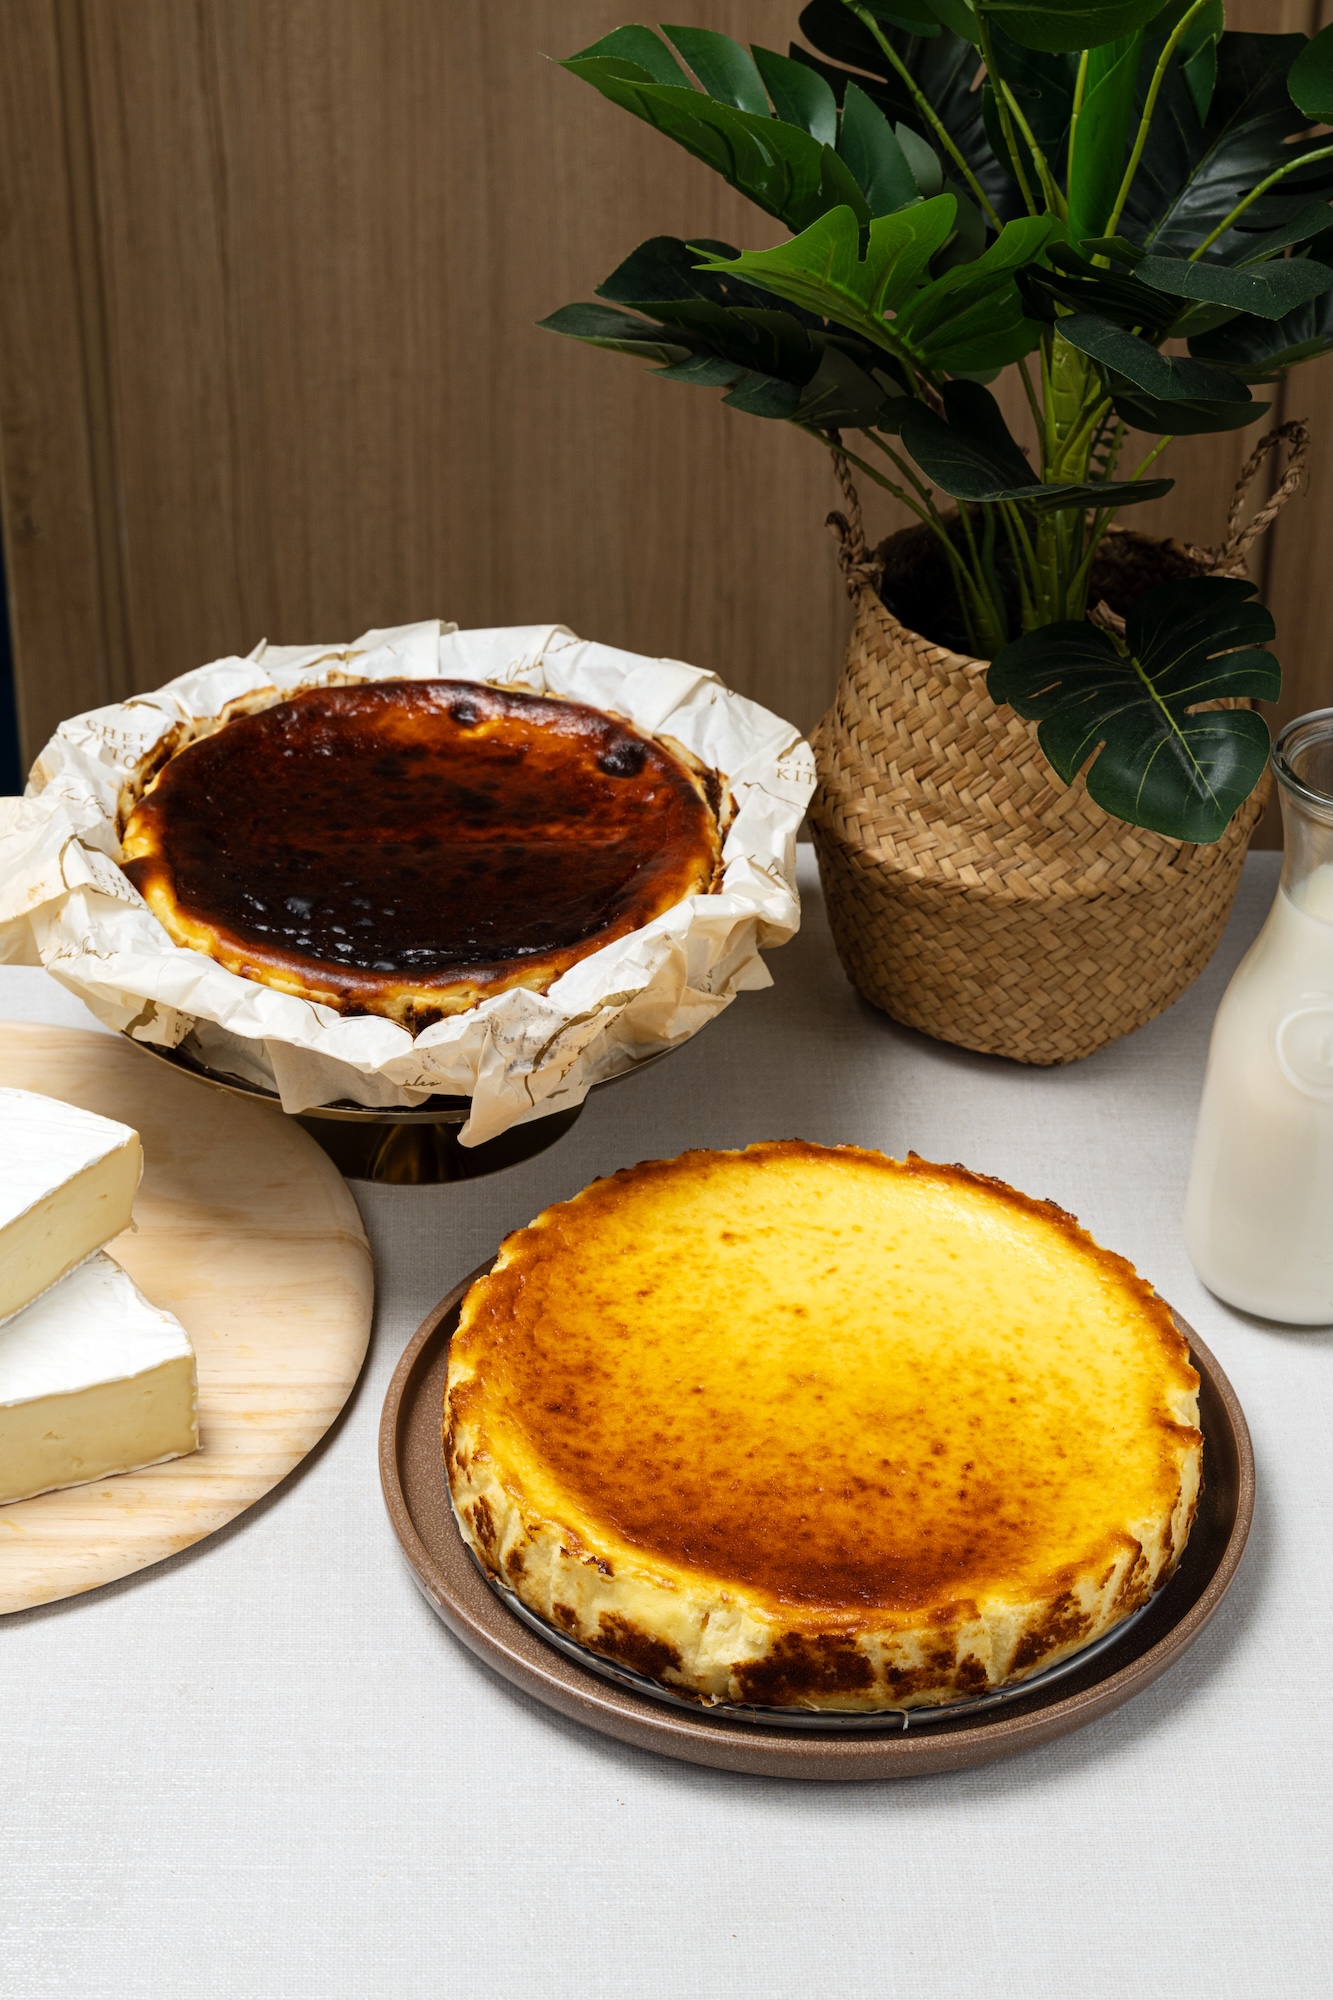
(64, 634)
(247, 1232)
(269, 362)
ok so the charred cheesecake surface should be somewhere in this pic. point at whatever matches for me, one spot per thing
(810, 1425)
(407, 847)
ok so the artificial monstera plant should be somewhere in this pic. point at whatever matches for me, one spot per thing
(1120, 198)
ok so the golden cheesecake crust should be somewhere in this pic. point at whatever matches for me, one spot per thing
(808, 1426)
(408, 848)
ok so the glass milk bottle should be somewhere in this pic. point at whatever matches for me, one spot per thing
(1259, 1211)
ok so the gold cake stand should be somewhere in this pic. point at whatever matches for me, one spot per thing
(411, 1148)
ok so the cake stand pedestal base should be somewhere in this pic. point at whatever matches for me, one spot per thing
(416, 1148)
(424, 1154)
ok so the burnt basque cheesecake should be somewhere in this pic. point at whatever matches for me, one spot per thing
(409, 847)
(810, 1427)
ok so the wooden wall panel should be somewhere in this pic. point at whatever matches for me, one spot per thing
(328, 231)
(56, 492)
(269, 272)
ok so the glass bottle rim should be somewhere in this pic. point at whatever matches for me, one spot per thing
(1295, 736)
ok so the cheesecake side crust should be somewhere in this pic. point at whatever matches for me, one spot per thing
(792, 1635)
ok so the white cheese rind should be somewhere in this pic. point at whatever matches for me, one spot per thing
(67, 1184)
(94, 1380)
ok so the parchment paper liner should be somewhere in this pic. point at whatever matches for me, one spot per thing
(65, 904)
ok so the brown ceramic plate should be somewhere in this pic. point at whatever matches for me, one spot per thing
(415, 1491)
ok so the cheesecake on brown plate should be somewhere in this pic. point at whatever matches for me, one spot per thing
(409, 848)
(806, 1426)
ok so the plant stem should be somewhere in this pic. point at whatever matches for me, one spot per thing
(1075, 410)
(983, 631)
(988, 520)
(1155, 453)
(926, 515)
(1048, 428)
(1116, 440)
(965, 519)
(1079, 581)
(1006, 123)
(1080, 90)
(1149, 106)
(871, 472)
(1055, 201)
(1082, 576)
(984, 569)
(1024, 563)
(1075, 405)
(1323, 153)
(1031, 394)
(908, 471)
(1080, 445)
(925, 107)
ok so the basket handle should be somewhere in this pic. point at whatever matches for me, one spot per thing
(860, 568)
(1228, 558)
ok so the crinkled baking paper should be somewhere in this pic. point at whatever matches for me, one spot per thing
(65, 903)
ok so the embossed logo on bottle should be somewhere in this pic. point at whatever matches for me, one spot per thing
(1303, 1040)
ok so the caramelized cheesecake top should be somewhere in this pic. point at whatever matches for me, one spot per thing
(408, 847)
(819, 1378)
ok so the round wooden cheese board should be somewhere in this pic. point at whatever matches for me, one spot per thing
(248, 1233)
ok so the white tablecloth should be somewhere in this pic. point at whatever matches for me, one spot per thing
(265, 1769)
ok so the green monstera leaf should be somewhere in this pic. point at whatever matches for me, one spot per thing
(1066, 26)
(796, 156)
(971, 454)
(869, 145)
(781, 167)
(1270, 290)
(1129, 359)
(905, 148)
(750, 387)
(1172, 394)
(1261, 350)
(711, 330)
(1196, 170)
(1134, 708)
(1101, 136)
(970, 320)
(1056, 26)
(846, 392)
(725, 70)
(1182, 416)
(824, 271)
(915, 17)
(1310, 78)
(619, 332)
(665, 269)
(715, 312)
(944, 68)
(1069, 278)
(799, 95)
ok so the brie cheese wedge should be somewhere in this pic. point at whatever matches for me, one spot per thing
(67, 1184)
(93, 1380)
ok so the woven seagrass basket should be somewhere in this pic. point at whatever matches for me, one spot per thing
(971, 893)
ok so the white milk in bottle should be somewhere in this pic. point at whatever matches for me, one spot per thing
(1259, 1211)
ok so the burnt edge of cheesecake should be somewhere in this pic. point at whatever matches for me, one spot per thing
(271, 897)
(817, 1661)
